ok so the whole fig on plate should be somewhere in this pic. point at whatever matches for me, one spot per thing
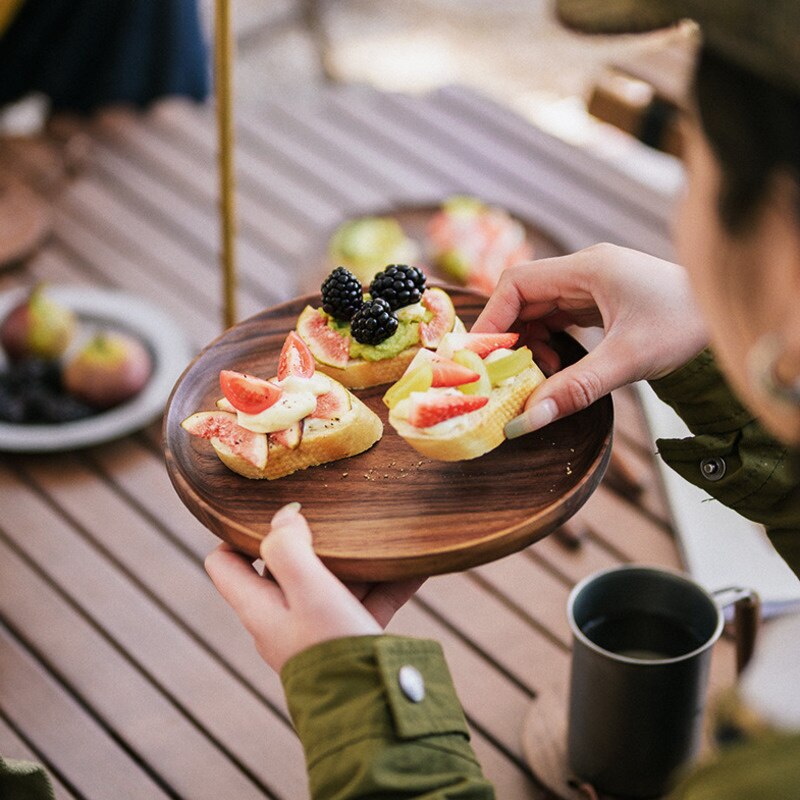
(37, 328)
(110, 369)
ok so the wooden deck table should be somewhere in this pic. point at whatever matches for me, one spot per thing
(120, 667)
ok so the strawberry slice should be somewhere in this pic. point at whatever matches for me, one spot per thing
(295, 359)
(434, 408)
(449, 373)
(480, 343)
(246, 393)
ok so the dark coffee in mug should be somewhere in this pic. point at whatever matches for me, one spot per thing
(642, 641)
(646, 636)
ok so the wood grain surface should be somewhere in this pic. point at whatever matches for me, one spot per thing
(388, 513)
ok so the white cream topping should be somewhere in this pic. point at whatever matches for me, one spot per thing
(298, 399)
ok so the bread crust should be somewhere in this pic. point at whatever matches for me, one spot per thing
(322, 441)
(485, 429)
(363, 374)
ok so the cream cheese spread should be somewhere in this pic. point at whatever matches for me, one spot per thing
(298, 399)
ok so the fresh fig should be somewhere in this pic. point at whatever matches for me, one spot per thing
(110, 369)
(38, 327)
(327, 345)
(440, 305)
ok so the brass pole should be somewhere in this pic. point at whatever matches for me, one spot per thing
(223, 84)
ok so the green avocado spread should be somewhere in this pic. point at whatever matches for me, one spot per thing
(406, 335)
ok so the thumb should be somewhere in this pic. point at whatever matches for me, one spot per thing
(289, 556)
(572, 389)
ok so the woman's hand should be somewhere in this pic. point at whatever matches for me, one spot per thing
(652, 324)
(303, 603)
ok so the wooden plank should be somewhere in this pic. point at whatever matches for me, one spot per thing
(263, 173)
(521, 645)
(136, 470)
(223, 730)
(181, 272)
(626, 532)
(12, 747)
(192, 171)
(508, 780)
(574, 564)
(196, 225)
(527, 172)
(533, 590)
(387, 172)
(653, 207)
(78, 745)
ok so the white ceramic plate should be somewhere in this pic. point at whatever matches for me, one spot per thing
(106, 308)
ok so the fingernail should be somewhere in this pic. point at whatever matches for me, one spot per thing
(286, 512)
(538, 416)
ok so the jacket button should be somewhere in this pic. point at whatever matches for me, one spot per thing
(713, 469)
(411, 683)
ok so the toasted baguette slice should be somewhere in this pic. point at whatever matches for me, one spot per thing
(322, 440)
(477, 432)
(362, 374)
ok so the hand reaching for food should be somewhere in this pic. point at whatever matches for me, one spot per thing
(644, 304)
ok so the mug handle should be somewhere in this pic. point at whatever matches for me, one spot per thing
(746, 620)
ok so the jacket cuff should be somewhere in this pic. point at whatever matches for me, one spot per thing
(345, 690)
(701, 396)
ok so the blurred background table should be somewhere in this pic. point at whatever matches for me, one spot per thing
(120, 667)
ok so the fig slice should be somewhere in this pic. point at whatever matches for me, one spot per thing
(326, 345)
(334, 404)
(289, 437)
(224, 433)
(440, 305)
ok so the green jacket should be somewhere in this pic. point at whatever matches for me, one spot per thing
(750, 472)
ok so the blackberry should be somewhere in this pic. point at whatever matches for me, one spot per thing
(373, 322)
(399, 285)
(342, 294)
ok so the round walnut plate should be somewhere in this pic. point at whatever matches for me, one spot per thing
(388, 513)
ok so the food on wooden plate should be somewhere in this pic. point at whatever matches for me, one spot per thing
(365, 245)
(473, 242)
(298, 419)
(38, 327)
(365, 340)
(453, 404)
(109, 369)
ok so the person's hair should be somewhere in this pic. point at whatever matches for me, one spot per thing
(753, 127)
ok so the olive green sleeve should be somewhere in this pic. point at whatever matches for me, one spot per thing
(731, 456)
(364, 736)
(767, 768)
(24, 780)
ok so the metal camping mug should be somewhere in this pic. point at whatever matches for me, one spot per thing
(642, 642)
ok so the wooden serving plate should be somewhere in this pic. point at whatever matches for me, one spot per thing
(389, 513)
